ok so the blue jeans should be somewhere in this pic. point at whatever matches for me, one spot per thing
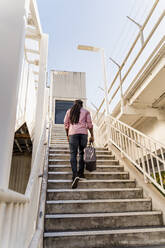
(77, 141)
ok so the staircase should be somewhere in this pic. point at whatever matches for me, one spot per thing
(106, 210)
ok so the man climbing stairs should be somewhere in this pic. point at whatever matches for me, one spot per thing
(106, 210)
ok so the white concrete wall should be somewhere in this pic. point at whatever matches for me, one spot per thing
(12, 33)
(26, 104)
(70, 85)
(153, 128)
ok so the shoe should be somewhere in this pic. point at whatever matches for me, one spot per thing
(75, 183)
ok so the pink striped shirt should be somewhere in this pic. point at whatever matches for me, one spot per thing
(82, 126)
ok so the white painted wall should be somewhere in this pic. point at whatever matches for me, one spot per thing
(12, 30)
(153, 128)
(68, 86)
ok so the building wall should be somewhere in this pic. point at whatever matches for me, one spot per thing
(154, 128)
(67, 86)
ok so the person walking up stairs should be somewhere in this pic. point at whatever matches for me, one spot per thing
(77, 122)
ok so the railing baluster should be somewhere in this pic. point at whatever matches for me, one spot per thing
(146, 155)
(158, 166)
(152, 162)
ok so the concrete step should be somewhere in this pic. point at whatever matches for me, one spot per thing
(100, 168)
(97, 206)
(111, 184)
(59, 142)
(98, 152)
(89, 194)
(57, 147)
(90, 175)
(67, 161)
(54, 136)
(66, 147)
(54, 140)
(99, 221)
(106, 239)
(58, 134)
(67, 156)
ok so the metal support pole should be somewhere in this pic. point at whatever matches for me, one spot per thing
(121, 88)
(95, 108)
(121, 93)
(105, 81)
(141, 29)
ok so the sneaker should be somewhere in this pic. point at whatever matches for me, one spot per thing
(75, 183)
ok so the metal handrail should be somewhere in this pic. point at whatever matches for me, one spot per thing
(129, 53)
(137, 131)
(38, 235)
(147, 154)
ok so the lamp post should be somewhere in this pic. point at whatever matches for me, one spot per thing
(96, 49)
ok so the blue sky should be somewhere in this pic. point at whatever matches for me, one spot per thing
(100, 23)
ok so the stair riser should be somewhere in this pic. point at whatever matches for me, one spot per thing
(99, 169)
(67, 157)
(95, 185)
(89, 223)
(107, 241)
(99, 162)
(90, 176)
(98, 207)
(132, 194)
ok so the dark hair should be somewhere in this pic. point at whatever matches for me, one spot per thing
(75, 111)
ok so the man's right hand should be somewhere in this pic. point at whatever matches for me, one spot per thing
(91, 140)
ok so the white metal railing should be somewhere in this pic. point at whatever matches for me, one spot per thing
(147, 154)
(37, 240)
(128, 72)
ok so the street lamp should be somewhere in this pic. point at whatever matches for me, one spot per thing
(96, 49)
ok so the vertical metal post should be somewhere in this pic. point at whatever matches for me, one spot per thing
(105, 81)
(121, 88)
(141, 29)
(142, 37)
(121, 92)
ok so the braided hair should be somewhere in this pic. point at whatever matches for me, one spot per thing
(75, 112)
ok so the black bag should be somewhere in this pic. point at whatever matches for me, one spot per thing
(90, 158)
